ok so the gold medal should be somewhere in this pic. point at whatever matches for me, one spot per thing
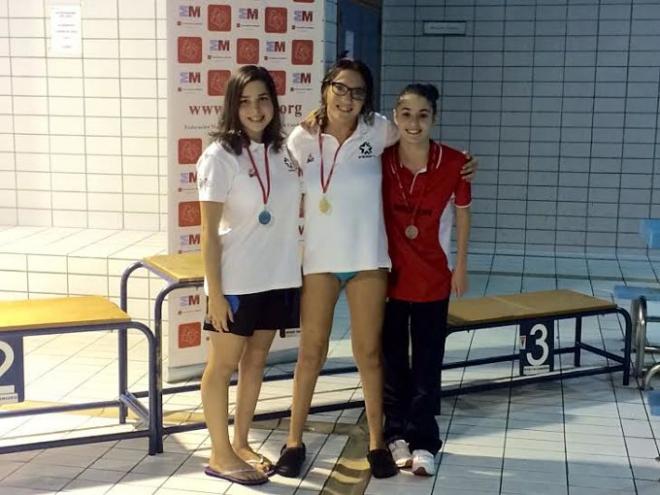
(324, 205)
(411, 232)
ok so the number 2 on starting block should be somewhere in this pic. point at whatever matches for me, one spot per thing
(12, 382)
(537, 350)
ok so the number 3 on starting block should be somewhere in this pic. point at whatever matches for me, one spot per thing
(12, 381)
(537, 349)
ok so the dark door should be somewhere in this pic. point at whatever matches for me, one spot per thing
(358, 34)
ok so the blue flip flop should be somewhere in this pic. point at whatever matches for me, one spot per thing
(230, 476)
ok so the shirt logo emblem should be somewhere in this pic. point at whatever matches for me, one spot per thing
(366, 151)
(202, 183)
(288, 163)
(310, 158)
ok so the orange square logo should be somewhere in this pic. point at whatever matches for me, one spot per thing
(217, 82)
(189, 214)
(302, 52)
(247, 51)
(189, 150)
(279, 78)
(219, 18)
(189, 50)
(190, 335)
(276, 20)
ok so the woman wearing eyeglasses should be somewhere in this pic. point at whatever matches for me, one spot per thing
(345, 246)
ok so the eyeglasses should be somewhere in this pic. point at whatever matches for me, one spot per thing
(358, 94)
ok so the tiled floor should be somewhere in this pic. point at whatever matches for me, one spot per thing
(583, 436)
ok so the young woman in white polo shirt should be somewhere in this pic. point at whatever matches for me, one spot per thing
(249, 189)
(345, 246)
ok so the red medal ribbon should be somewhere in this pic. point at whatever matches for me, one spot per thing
(265, 191)
(325, 183)
(395, 169)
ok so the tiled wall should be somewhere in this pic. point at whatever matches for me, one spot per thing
(82, 140)
(558, 98)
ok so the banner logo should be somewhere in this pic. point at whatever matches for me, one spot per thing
(191, 15)
(279, 78)
(189, 50)
(190, 11)
(189, 214)
(190, 334)
(303, 16)
(189, 150)
(276, 20)
(275, 46)
(217, 82)
(190, 78)
(249, 17)
(301, 81)
(248, 14)
(247, 51)
(302, 52)
(276, 50)
(219, 45)
(190, 300)
(189, 242)
(189, 303)
(187, 181)
(219, 18)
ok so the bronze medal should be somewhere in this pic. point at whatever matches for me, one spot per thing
(411, 232)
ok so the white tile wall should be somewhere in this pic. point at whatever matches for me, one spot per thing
(85, 125)
(76, 260)
(558, 98)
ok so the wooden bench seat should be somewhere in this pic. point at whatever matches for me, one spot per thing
(59, 312)
(488, 310)
(61, 315)
(184, 267)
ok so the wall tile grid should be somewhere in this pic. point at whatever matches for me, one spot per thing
(558, 99)
(39, 262)
(82, 140)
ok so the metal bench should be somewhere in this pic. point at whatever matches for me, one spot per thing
(73, 315)
(186, 270)
(530, 309)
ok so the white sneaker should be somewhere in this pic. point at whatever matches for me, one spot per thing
(423, 463)
(401, 453)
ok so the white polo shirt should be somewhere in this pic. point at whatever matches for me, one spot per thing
(352, 236)
(255, 257)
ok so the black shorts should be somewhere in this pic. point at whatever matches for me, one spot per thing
(271, 310)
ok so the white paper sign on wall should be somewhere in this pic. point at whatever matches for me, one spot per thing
(65, 31)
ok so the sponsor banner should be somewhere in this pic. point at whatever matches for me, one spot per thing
(207, 41)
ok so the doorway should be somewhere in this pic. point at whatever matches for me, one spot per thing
(358, 35)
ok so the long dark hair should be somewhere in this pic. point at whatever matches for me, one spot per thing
(428, 91)
(361, 68)
(230, 131)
